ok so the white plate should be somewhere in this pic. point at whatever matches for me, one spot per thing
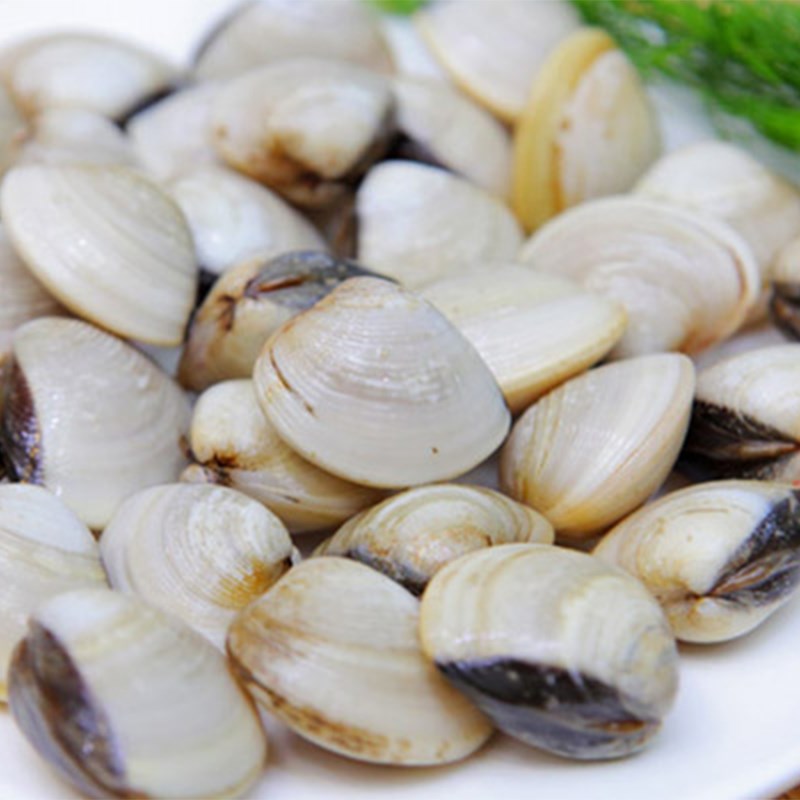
(734, 732)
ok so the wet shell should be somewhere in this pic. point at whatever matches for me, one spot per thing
(587, 131)
(784, 304)
(419, 224)
(232, 218)
(560, 650)
(274, 30)
(533, 330)
(493, 49)
(107, 243)
(199, 552)
(332, 651)
(306, 127)
(125, 701)
(44, 550)
(89, 417)
(376, 386)
(247, 304)
(719, 557)
(594, 449)
(746, 417)
(686, 280)
(411, 536)
(233, 444)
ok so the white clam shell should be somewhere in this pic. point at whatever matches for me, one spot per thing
(686, 280)
(234, 444)
(376, 386)
(153, 712)
(533, 330)
(44, 550)
(12, 129)
(720, 557)
(596, 447)
(89, 417)
(197, 551)
(419, 223)
(332, 650)
(107, 243)
(411, 57)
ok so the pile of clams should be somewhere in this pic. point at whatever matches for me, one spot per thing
(346, 375)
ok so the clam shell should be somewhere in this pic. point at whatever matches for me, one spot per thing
(784, 306)
(107, 243)
(89, 417)
(125, 701)
(560, 650)
(418, 223)
(235, 445)
(720, 557)
(595, 448)
(411, 536)
(493, 49)
(411, 57)
(587, 131)
(686, 280)
(44, 550)
(274, 30)
(332, 651)
(533, 330)
(12, 129)
(376, 386)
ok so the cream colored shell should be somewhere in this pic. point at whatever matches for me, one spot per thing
(12, 129)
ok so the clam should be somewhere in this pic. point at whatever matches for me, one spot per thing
(444, 128)
(233, 444)
(12, 130)
(78, 70)
(533, 330)
(560, 650)
(493, 49)
(719, 557)
(247, 304)
(373, 384)
(785, 300)
(44, 550)
(89, 417)
(332, 651)
(746, 417)
(173, 136)
(125, 701)
(418, 223)
(305, 127)
(199, 552)
(595, 448)
(686, 280)
(107, 243)
(587, 131)
(259, 33)
(411, 536)
(411, 58)
(232, 218)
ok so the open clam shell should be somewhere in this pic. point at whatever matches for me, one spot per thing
(44, 550)
(493, 49)
(746, 417)
(686, 280)
(417, 223)
(332, 651)
(559, 649)
(271, 30)
(304, 127)
(720, 557)
(411, 536)
(373, 384)
(588, 129)
(595, 448)
(234, 444)
(197, 551)
(125, 701)
(89, 417)
(533, 330)
(107, 243)
(247, 304)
